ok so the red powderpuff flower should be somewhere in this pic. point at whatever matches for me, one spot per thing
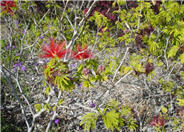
(157, 121)
(81, 54)
(85, 71)
(101, 68)
(52, 51)
(7, 5)
(85, 11)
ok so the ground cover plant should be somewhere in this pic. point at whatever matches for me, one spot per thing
(92, 66)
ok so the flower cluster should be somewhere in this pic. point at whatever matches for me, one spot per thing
(82, 53)
(52, 51)
(58, 50)
(86, 71)
(92, 105)
(8, 47)
(157, 121)
(7, 5)
(19, 65)
(101, 68)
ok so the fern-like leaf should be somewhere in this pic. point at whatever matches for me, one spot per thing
(111, 120)
(89, 121)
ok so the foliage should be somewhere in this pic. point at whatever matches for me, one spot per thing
(137, 44)
(112, 116)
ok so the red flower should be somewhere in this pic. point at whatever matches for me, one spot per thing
(82, 53)
(100, 68)
(157, 121)
(85, 11)
(52, 51)
(85, 71)
(8, 5)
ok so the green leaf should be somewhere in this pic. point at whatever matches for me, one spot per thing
(38, 107)
(46, 106)
(182, 58)
(80, 68)
(125, 70)
(131, 123)
(182, 74)
(172, 52)
(180, 102)
(121, 2)
(89, 121)
(85, 84)
(60, 101)
(164, 109)
(54, 108)
(111, 120)
(47, 90)
(125, 111)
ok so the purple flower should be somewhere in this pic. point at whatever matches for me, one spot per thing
(41, 37)
(20, 64)
(74, 65)
(81, 85)
(16, 23)
(24, 31)
(46, 60)
(92, 105)
(7, 47)
(23, 68)
(56, 121)
(15, 69)
(15, 65)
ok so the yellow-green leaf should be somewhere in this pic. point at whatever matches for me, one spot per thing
(164, 109)
(172, 52)
(60, 101)
(38, 107)
(180, 102)
(47, 90)
(182, 58)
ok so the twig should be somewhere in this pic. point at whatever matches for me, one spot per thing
(123, 77)
(120, 63)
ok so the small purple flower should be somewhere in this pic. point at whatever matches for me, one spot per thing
(41, 37)
(15, 69)
(81, 85)
(46, 60)
(74, 65)
(24, 31)
(16, 23)
(20, 64)
(8, 47)
(92, 105)
(15, 65)
(56, 121)
(13, 46)
(23, 68)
